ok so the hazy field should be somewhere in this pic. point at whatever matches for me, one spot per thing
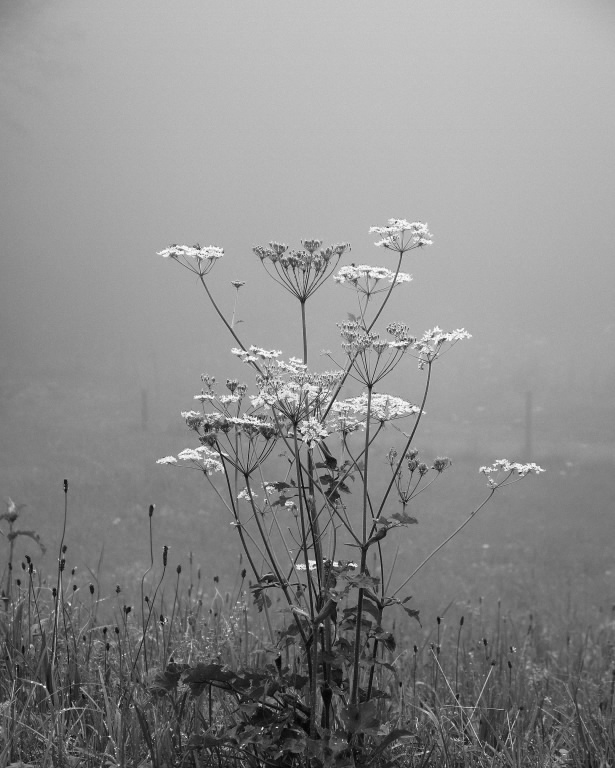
(544, 543)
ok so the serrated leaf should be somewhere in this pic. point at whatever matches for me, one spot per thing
(165, 681)
(205, 674)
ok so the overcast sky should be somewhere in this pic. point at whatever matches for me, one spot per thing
(126, 126)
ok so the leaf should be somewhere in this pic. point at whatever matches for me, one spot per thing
(404, 519)
(31, 534)
(378, 536)
(386, 638)
(412, 613)
(362, 718)
(165, 681)
(206, 674)
(279, 485)
(295, 680)
(362, 580)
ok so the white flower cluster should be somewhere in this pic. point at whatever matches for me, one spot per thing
(312, 431)
(208, 253)
(254, 354)
(193, 257)
(365, 279)
(292, 390)
(246, 495)
(401, 235)
(504, 465)
(430, 345)
(202, 458)
(383, 407)
(508, 470)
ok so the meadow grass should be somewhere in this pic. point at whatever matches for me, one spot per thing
(188, 676)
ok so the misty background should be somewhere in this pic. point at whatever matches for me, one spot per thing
(125, 127)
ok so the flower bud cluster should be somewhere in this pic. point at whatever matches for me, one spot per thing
(300, 272)
(357, 339)
(306, 260)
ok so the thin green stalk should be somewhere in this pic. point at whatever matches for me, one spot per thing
(408, 442)
(151, 565)
(354, 698)
(444, 543)
(304, 332)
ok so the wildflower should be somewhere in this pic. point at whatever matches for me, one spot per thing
(254, 353)
(247, 495)
(383, 407)
(441, 463)
(293, 391)
(302, 566)
(312, 431)
(300, 272)
(194, 257)
(238, 283)
(508, 470)
(432, 343)
(372, 356)
(205, 396)
(504, 465)
(203, 457)
(167, 460)
(401, 236)
(366, 279)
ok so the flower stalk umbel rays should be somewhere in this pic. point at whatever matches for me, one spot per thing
(296, 459)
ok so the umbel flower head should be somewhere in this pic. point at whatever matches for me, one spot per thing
(193, 257)
(368, 280)
(290, 389)
(202, 458)
(401, 235)
(434, 341)
(300, 272)
(373, 357)
(247, 440)
(383, 407)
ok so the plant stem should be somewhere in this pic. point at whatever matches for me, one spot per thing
(444, 543)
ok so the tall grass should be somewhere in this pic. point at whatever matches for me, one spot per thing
(190, 678)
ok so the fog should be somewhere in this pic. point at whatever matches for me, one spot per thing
(125, 127)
